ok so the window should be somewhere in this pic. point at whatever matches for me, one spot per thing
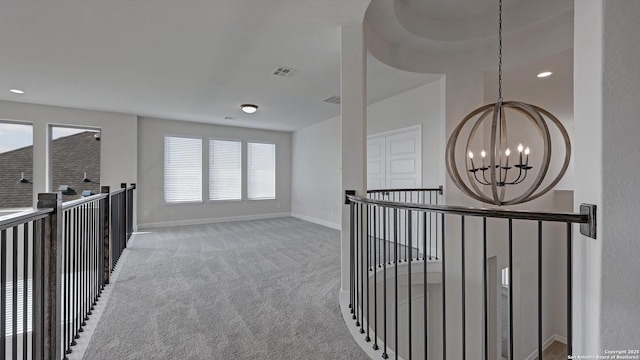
(505, 277)
(16, 162)
(225, 170)
(182, 169)
(261, 168)
(75, 161)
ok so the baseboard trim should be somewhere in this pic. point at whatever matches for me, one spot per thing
(166, 224)
(546, 344)
(317, 221)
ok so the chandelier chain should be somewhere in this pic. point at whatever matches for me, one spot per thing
(500, 52)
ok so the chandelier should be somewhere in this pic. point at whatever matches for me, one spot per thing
(487, 180)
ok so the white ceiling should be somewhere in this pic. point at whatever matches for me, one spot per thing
(553, 93)
(186, 60)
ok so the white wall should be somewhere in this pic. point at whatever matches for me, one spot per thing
(316, 194)
(119, 138)
(607, 84)
(316, 182)
(420, 106)
(153, 212)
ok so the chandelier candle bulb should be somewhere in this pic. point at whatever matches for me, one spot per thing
(507, 153)
(520, 152)
(526, 152)
(483, 154)
(471, 158)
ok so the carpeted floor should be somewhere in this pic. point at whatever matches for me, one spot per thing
(264, 289)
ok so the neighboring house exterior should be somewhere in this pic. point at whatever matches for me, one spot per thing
(71, 157)
(13, 193)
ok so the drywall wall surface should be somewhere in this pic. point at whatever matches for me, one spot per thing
(588, 167)
(152, 209)
(316, 181)
(619, 316)
(419, 106)
(316, 194)
(119, 137)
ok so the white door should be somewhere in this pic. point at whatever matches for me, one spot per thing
(394, 159)
(376, 163)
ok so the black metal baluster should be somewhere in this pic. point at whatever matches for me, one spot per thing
(14, 298)
(424, 292)
(539, 290)
(3, 292)
(74, 291)
(42, 247)
(96, 253)
(464, 318)
(437, 231)
(380, 249)
(430, 225)
(87, 299)
(424, 237)
(485, 300)
(361, 271)
(510, 289)
(91, 267)
(389, 243)
(406, 240)
(67, 282)
(375, 283)
(25, 290)
(569, 291)
(395, 260)
(83, 236)
(357, 264)
(367, 338)
(103, 220)
(87, 252)
(384, 279)
(351, 239)
(409, 241)
(444, 302)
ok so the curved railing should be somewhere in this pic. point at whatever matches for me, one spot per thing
(387, 245)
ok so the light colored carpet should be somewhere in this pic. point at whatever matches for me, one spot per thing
(242, 290)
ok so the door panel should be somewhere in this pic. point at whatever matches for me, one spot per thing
(376, 163)
(403, 159)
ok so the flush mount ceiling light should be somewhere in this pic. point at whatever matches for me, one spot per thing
(16, 91)
(544, 74)
(488, 182)
(249, 108)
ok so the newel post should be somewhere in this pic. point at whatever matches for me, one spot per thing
(47, 283)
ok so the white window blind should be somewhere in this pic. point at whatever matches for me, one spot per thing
(261, 168)
(182, 169)
(225, 170)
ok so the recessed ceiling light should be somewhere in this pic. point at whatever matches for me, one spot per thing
(249, 108)
(544, 74)
(16, 91)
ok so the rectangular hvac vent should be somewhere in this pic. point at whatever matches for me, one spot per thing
(284, 71)
(335, 99)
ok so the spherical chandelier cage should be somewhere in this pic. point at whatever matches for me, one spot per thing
(488, 182)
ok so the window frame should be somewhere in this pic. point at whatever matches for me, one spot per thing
(243, 172)
(202, 172)
(49, 155)
(4, 211)
(275, 169)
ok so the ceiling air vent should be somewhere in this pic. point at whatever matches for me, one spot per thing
(284, 71)
(335, 99)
